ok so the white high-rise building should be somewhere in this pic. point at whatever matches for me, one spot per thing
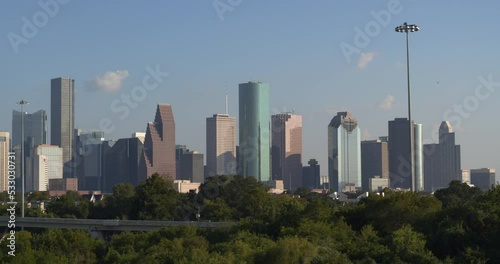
(221, 145)
(4, 160)
(47, 163)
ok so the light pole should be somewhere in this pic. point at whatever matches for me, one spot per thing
(405, 28)
(22, 103)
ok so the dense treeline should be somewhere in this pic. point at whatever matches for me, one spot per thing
(459, 224)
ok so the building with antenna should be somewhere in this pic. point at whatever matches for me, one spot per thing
(221, 143)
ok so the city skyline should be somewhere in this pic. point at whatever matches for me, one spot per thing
(199, 73)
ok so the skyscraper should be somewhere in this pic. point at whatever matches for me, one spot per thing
(4, 160)
(254, 139)
(221, 145)
(122, 162)
(287, 149)
(399, 155)
(374, 161)
(62, 119)
(442, 160)
(34, 127)
(89, 158)
(159, 145)
(344, 153)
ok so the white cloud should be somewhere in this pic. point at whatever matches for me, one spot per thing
(110, 81)
(388, 104)
(364, 59)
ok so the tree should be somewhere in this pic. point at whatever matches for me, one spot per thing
(122, 201)
(156, 200)
(458, 194)
(409, 246)
(69, 205)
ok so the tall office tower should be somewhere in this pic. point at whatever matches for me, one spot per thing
(89, 159)
(286, 150)
(442, 160)
(374, 161)
(46, 163)
(4, 160)
(34, 127)
(310, 175)
(344, 153)
(62, 119)
(221, 145)
(483, 178)
(399, 154)
(122, 162)
(159, 145)
(419, 158)
(191, 167)
(255, 138)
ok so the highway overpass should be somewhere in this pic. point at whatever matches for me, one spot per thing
(106, 225)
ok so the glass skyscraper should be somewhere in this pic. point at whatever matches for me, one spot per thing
(344, 153)
(62, 119)
(254, 140)
(34, 127)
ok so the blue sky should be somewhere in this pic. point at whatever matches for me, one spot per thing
(295, 46)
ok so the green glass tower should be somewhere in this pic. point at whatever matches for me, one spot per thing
(254, 121)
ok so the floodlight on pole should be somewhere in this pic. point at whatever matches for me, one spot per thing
(407, 28)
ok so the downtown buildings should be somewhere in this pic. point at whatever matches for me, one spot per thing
(254, 131)
(287, 150)
(344, 153)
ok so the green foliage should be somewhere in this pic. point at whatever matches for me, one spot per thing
(156, 200)
(459, 225)
(69, 205)
(458, 194)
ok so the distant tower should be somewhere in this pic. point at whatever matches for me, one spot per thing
(159, 145)
(442, 160)
(374, 161)
(62, 119)
(254, 140)
(287, 150)
(344, 153)
(399, 153)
